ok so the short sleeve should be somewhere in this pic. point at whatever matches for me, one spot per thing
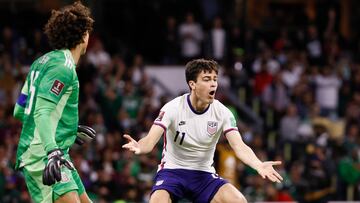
(165, 117)
(55, 82)
(229, 121)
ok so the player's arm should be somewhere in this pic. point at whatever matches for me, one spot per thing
(247, 155)
(50, 91)
(42, 118)
(20, 104)
(46, 130)
(145, 144)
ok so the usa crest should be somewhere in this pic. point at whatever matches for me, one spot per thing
(212, 127)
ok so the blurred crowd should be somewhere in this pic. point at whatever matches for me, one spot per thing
(303, 82)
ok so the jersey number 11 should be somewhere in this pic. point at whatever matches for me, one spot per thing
(33, 76)
(182, 137)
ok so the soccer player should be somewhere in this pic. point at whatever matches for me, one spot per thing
(191, 125)
(48, 109)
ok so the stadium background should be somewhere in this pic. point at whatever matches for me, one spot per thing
(290, 73)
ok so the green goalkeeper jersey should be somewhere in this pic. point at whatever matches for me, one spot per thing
(51, 83)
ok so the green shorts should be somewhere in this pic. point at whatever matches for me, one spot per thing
(70, 181)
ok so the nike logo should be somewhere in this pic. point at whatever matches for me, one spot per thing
(182, 123)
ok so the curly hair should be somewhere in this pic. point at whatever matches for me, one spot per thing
(66, 27)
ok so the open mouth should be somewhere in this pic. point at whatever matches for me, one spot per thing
(212, 93)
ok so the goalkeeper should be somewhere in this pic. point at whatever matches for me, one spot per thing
(48, 109)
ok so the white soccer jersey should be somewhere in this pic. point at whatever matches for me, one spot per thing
(190, 137)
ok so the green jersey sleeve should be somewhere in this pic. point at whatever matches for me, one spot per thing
(46, 129)
(57, 79)
(20, 104)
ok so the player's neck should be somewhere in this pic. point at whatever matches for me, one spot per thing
(76, 53)
(197, 104)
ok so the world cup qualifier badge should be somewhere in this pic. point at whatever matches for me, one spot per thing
(57, 87)
(212, 127)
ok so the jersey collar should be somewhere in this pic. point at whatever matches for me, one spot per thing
(193, 109)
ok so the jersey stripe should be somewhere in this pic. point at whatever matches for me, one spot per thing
(56, 115)
(161, 125)
(162, 164)
(228, 130)
(68, 59)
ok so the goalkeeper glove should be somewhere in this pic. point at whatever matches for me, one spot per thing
(84, 134)
(52, 171)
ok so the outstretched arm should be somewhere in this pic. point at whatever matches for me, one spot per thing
(145, 144)
(247, 155)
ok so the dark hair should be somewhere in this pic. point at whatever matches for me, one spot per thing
(66, 27)
(196, 66)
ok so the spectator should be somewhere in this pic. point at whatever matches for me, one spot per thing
(276, 96)
(314, 46)
(272, 66)
(97, 55)
(216, 43)
(289, 125)
(327, 91)
(262, 79)
(171, 50)
(191, 36)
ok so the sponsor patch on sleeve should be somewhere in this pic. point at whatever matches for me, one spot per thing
(160, 116)
(57, 87)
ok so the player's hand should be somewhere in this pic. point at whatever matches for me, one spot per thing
(132, 144)
(52, 172)
(84, 134)
(266, 170)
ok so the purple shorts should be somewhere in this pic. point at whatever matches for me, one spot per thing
(197, 186)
